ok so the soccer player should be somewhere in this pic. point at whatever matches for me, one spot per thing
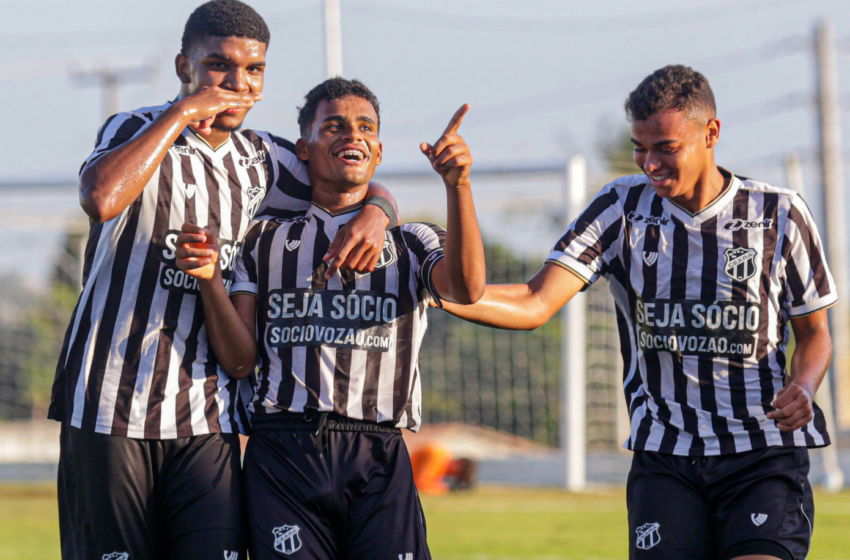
(708, 272)
(149, 463)
(327, 473)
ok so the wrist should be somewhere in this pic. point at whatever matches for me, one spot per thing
(462, 185)
(385, 207)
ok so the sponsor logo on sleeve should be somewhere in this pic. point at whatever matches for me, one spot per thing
(172, 278)
(359, 320)
(287, 539)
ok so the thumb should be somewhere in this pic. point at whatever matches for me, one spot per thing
(426, 148)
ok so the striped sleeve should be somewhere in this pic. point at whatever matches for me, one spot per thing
(245, 275)
(590, 241)
(289, 186)
(115, 131)
(426, 242)
(809, 286)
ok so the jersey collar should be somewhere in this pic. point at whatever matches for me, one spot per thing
(197, 141)
(714, 207)
(333, 221)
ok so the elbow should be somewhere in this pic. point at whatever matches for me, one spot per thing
(94, 207)
(238, 371)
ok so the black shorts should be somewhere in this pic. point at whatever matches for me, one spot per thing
(122, 498)
(355, 500)
(709, 508)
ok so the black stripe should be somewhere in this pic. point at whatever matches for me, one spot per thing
(678, 291)
(184, 376)
(705, 364)
(125, 132)
(159, 376)
(603, 243)
(58, 395)
(235, 195)
(288, 275)
(141, 313)
(109, 316)
(737, 377)
(102, 130)
(808, 240)
(404, 329)
(378, 283)
(313, 360)
(342, 367)
(95, 230)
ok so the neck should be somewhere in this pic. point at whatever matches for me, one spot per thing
(216, 138)
(336, 199)
(708, 187)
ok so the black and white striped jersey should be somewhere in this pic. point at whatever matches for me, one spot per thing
(703, 303)
(136, 361)
(350, 344)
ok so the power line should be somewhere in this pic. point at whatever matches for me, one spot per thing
(608, 89)
(562, 25)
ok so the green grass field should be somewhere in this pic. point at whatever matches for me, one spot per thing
(487, 524)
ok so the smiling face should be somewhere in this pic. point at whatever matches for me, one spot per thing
(342, 146)
(232, 63)
(675, 150)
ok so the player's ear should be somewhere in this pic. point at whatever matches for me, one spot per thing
(181, 66)
(379, 154)
(712, 133)
(301, 150)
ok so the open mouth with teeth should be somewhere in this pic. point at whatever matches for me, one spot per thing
(351, 155)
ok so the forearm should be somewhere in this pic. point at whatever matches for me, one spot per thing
(114, 181)
(465, 273)
(503, 306)
(234, 346)
(377, 189)
(811, 359)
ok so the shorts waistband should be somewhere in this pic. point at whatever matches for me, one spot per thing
(313, 420)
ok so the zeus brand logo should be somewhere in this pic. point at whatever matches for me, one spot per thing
(736, 225)
(648, 220)
(183, 150)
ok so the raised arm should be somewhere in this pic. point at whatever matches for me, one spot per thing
(112, 182)
(522, 306)
(231, 324)
(812, 355)
(460, 277)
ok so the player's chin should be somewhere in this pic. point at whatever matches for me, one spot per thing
(228, 123)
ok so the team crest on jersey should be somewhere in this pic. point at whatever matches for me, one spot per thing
(286, 539)
(292, 244)
(740, 263)
(190, 189)
(648, 536)
(387, 255)
(117, 556)
(758, 518)
(650, 257)
(255, 197)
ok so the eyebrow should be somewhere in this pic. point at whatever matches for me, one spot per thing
(219, 56)
(337, 118)
(657, 144)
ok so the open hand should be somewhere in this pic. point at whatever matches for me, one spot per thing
(197, 252)
(450, 156)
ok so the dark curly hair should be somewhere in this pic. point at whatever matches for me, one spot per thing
(223, 18)
(674, 87)
(333, 88)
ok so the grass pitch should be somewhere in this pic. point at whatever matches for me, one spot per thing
(487, 524)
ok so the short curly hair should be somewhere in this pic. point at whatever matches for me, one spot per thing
(672, 88)
(333, 88)
(223, 18)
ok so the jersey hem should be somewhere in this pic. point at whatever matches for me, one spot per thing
(587, 279)
(200, 430)
(701, 451)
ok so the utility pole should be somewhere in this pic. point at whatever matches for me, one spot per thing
(833, 476)
(829, 121)
(110, 80)
(333, 38)
(574, 350)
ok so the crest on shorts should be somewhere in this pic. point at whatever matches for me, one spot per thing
(117, 556)
(740, 263)
(286, 539)
(648, 536)
(387, 255)
(255, 197)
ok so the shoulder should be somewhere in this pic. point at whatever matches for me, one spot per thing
(262, 136)
(145, 114)
(766, 188)
(625, 188)
(423, 229)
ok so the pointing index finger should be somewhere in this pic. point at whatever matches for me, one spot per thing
(454, 124)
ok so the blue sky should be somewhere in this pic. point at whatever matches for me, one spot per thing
(546, 79)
